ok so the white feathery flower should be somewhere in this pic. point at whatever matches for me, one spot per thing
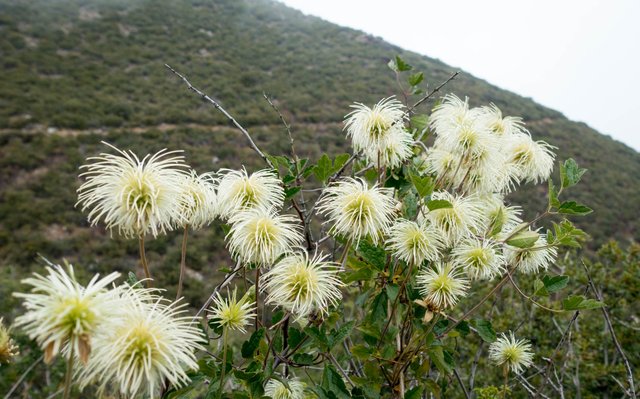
(450, 114)
(239, 190)
(277, 390)
(367, 126)
(491, 117)
(443, 285)
(134, 196)
(260, 235)
(8, 348)
(413, 242)
(232, 313)
(481, 259)
(151, 343)
(199, 204)
(463, 217)
(510, 352)
(391, 150)
(533, 160)
(356, 210)
(62, 314)
(531, 260)
(499, 218)
(467, 140)
(303, 284)
(484, 172)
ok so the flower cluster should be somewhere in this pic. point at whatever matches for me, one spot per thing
(127, 339)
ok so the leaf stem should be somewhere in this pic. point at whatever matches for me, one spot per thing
(183, 260)
(143, 260)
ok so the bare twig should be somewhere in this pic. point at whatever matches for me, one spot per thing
(466, 394)
(616, 343)
(23, 376)
(224, 112)
(434, 91)
(227, 279)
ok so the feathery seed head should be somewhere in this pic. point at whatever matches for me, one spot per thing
(391, 150)
(150, 343)
(443, 285)
(450, 114)
(232, 313)
(367, 126)
(134, 196)
(357, 211)
(277, 390)
(62, 314)
(481, 259)
(531, 260)
(238, 191)
(260, 235)
(199, 204)
(533, 160)
(414, 242)
(303, 284)
(458, 221)
(510, 352)
(491, 117)
(8, 349)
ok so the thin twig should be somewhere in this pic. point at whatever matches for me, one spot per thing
(224, 112)
(466, 394)
(607, 319)
(183, 261)
(143, 260)
(23, 376)
(227, 279)
(429, 95)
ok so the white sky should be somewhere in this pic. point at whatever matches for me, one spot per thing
(580, 57)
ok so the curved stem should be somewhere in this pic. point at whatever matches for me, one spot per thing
(183, 260)
(143, 260)
(225, 337)
(531, 299)
(68, 374)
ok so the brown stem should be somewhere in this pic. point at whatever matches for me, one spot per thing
(257, 324)
(143, 260)
(183, 261)
(68, 374)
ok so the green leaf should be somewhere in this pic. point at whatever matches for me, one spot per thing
(524, 239)
(438, 204)
(318, 337)
(339, 162)
(291, 191)
(463, 328)
(132, 280)
(565, 233)
(539, 288)
(337, 336)
(437, 356)
(485, 330)
(392, 291)
(322, 170)
(399, 65)
(361, 351)
(414, 393)
(375, 256)
(415, 79)
(249, 347)
(333, 382)
(424, 184)
(555, 283)
(573, 208)
(303, 358)
(570, 173)
(579, 302)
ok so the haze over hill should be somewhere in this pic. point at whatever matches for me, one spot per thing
(77, 72)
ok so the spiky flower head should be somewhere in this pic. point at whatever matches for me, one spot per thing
(277, 390)
(260, 235)
(531, 260)
(151, 343)
(391, 150)
(238, 191)
(499, 218)
(199, 205)
(481, 259)
(62, 314)
(512, 353)
(356, 210)
(442, 285)
(231, 313)
(457, 221)
(533, 160)
(136, 197)
(450, 114)
(368, 126)
(303, 284)
(492, 118)
(414, 242)
(8, 349)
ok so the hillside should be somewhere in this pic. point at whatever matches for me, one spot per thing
(78, 72)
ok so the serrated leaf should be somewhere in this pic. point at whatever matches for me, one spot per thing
(485, 330)
(361, 351)
(291, 191)
(318, 337)
(437, 356)
(401, 65)
(570, 173)
(337, 336)
(420, 122)
(579, 302)
(424, 184)
(375, 256)
(573, 208)
(322, 170)
(339, 162)
(415, 79)
(438, 204)
(524, 239)
(554, 202)
(332, 382)
(555, 283)
(249, 347)
(392, 291)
